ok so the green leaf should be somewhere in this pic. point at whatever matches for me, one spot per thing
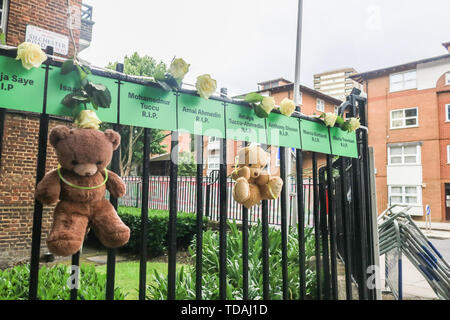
(160, 75)
(259, 111)
(67, 67)
(69, 100)
(253, 97)
(99, 95)
(83, 75)
(339, 120)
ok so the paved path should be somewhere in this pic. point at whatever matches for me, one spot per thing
(415, 287)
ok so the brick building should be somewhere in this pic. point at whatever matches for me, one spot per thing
(20, 136)
(409, 121)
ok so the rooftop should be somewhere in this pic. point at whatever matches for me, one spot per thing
(360, 77)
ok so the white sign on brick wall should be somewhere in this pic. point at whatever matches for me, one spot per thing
(44, 38)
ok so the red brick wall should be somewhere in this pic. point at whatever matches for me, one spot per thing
(433, 131)
(20, 140)
(50, 15)
(17, 184)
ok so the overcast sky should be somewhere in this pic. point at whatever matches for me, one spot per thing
(243, 42)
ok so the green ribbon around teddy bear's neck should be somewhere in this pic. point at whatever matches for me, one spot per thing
(79, 187)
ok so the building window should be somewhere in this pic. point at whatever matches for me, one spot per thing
(336, 109)
(407, 195)
(447, 78)
(3, 14)
(401, 155)
(447, 112)
(404, 118)
(403, 81)
(448, 154)
(320, 105)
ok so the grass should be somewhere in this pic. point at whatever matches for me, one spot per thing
(127, 275)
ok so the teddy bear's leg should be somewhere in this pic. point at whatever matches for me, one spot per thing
(272, 189)
(241, 190)
(108, 227)
(68, 230)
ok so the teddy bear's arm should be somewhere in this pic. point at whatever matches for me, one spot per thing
(115, 185)
(241, 172)
(263, 179)
(49, 188)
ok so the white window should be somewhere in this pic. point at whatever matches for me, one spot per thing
(408, 195)
(336, 109)
(300, 98)
(447, 112)
(447, 78)
(3, 14)
(403, 81)
(404, 118)
(213, 162)
(320, 105)
(401, 155)
(448, 154)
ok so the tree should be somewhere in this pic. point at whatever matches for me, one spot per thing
(131, 148)
(186, 164)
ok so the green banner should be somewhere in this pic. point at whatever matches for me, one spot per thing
(314, 137)
(343, 143)
(21, 89)
(243, 124)
(148, 107)
(283, 131)
(60, 85)
(200, 116)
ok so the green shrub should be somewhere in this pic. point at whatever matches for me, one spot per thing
(14, 284)
(185, 278)
(157, 226)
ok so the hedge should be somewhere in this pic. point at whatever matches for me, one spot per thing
(157, 227)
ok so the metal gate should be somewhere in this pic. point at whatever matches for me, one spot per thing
(340, 208)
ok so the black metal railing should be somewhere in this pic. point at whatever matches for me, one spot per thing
(340, 211)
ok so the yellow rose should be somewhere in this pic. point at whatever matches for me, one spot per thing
(206, 86)
(31, 55)
(179, 68)
(287, 107)
(354, 124)
(87, 119)
(330, 119)
(268, 103)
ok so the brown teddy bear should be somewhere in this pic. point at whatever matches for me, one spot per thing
(252, 183)
(80, 184)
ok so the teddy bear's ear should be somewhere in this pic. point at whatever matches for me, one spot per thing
(114, 137)
(57, 134)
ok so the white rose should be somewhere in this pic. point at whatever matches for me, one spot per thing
(206, 86)
(330, 119)
(354, 124)
(178, 68)
(268, 103)
(87, 119)
(287, 107)
(31, 55)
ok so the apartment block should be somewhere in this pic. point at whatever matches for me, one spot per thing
(336, 83)
(409, 121)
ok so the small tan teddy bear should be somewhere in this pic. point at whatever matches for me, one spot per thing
(252, 183)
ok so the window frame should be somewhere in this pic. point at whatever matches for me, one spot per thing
(447, 79)
(404, 119)
(403, 80)
(322, 103)
(403, 155)
(403, 194)
(447, 106)
(448, 154)
(4, 15)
